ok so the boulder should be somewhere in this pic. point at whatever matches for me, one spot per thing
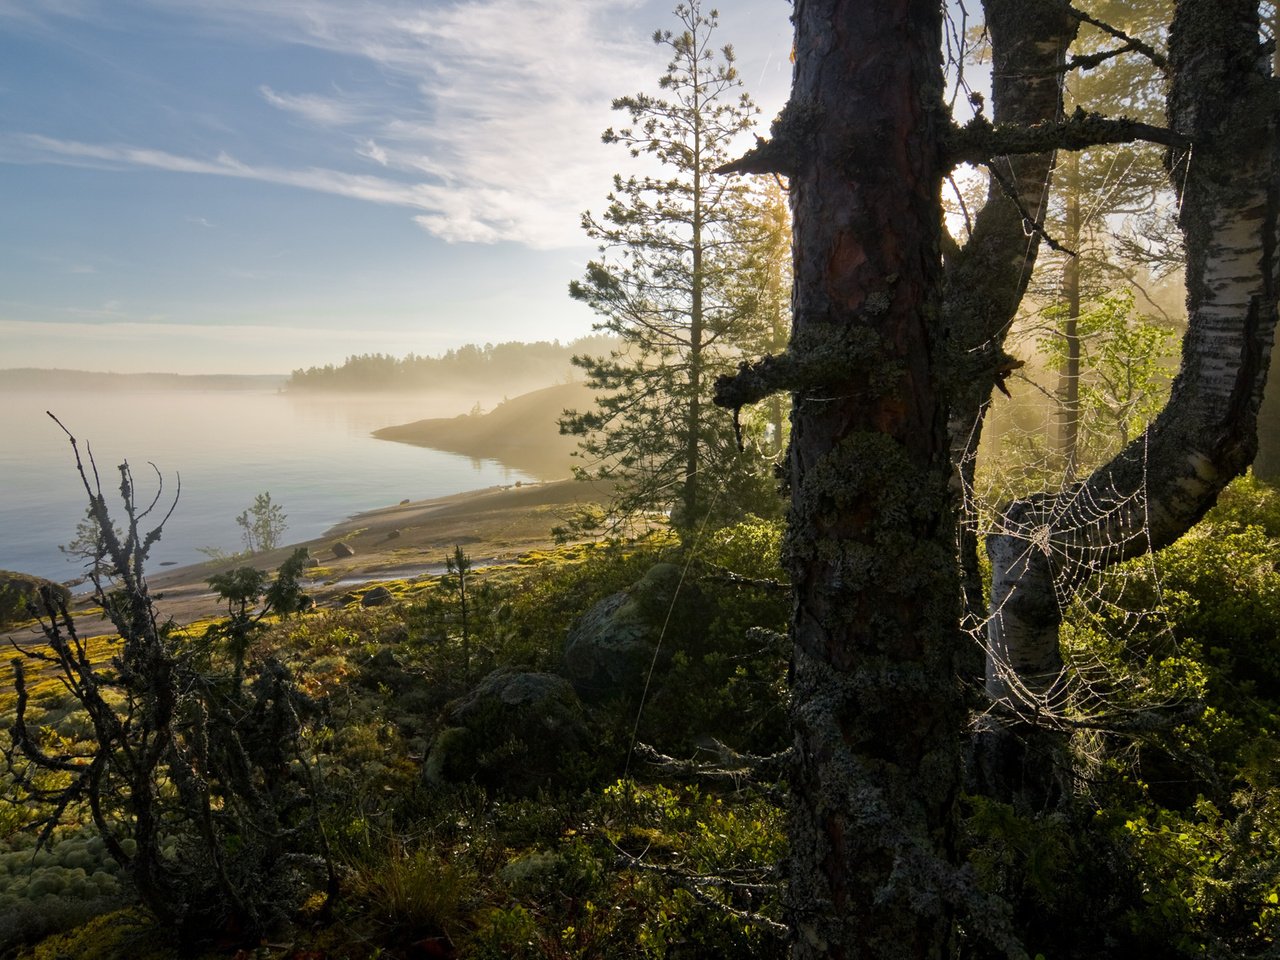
(377, 597)
(610, 649)
(515, 732)
(393, 535)
(17, 590)
(385, 669)
(341, 549)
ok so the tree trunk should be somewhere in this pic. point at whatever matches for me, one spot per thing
(689, 521)
(1069, 375)
(1266, 466)
(877, 709)
(1224, 98)
(987, 278)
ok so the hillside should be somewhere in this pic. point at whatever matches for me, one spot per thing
(522, 432)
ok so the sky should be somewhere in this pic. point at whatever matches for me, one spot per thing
(254, 186)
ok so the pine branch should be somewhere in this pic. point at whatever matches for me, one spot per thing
(978, 141)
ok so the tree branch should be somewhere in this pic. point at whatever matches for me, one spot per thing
(1132, 43)
(756, 380)
(1029, 222)
(767, 156)
(978, 141)
(789, 133)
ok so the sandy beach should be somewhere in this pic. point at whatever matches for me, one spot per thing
(493, 526)
(409, 539)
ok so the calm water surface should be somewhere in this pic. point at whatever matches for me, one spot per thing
(314, 456)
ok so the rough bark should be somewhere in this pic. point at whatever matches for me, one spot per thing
(891, 364)
(877, 708)
(1224, 99)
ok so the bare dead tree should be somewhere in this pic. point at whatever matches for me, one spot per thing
(196, 781)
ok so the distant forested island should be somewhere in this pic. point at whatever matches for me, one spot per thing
(518, 366)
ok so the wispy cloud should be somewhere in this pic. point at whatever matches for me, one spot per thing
(483, 215)
(487, 121)
(313, 108)
(373, 152)
(510, 98)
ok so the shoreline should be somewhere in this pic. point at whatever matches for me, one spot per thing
(401, 541)
(495, 525)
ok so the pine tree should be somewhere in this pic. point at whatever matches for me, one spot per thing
(665, 283)
(262, 524)
(763, 289)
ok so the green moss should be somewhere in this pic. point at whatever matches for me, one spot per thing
(119, 935)
(19, 591)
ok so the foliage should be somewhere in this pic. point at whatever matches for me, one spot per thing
(670, 286)
(490, 874)
(1170, 847)
(241, 589)
(1169, 852)
(262, 524)
(1124, 377)
(20, 595)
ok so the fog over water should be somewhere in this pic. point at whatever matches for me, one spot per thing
(313, 454)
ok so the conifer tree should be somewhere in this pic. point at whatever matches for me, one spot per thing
(666, 285)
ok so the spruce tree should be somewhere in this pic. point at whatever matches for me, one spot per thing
(666, 284)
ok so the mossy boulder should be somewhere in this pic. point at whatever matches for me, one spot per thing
(516, 732)
(377, 597)
(611, 648)
(19, 590)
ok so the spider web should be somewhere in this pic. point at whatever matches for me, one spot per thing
(1119, 653)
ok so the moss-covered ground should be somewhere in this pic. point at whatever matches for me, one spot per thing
(1167, 846)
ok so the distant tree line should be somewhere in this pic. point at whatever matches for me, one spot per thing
(532, 364)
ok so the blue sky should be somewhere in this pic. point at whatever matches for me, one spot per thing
(207, 186)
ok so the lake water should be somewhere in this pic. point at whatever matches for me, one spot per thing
(314, 455)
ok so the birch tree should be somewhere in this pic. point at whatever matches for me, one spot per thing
(894, 354)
